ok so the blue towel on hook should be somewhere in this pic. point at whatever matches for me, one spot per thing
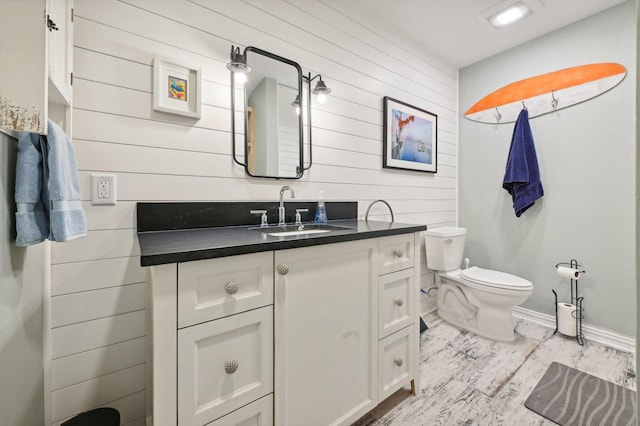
(32, 215)
(522, 175)
(48, 197)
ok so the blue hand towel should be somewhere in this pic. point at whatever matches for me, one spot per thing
(48, 198)
(32, 215)
(522, 176)
(67, 219)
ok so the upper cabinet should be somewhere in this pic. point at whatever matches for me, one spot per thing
(37, 46)
(60, 51)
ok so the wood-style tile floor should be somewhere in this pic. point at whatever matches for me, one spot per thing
(469, 380)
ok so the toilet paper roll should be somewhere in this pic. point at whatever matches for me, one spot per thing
(565, 271)
(567, 319)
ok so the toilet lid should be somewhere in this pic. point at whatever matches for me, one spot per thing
(497, 279)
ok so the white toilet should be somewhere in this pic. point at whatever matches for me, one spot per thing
(475, 299)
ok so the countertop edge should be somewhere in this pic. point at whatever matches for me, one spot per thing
(178, 256)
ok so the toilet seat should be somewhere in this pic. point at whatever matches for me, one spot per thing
(496, 279)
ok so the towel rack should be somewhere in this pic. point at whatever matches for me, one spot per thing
(541, 93)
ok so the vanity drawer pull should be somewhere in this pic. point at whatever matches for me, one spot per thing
(232, 287)
(398, 253)
(398, 362)
(399, 302)
(283, 269)
(231, 366)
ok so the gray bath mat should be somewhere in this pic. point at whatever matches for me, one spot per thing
(570, 397)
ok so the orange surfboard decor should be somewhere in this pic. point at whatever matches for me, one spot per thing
(546, 93)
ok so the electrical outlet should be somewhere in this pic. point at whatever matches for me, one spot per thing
(103, 189)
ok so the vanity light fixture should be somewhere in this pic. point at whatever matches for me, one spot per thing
(238, 65)
(321, 89)
(511, 14)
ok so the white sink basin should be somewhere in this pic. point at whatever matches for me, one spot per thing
(303, 232)
(296, 230)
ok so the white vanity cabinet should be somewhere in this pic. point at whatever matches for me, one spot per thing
(37, 51)
(316, 335)
(212, 341)
(326, 339)
(346, 328)
(398, 321)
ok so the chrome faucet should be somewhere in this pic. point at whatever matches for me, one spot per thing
(281, 208)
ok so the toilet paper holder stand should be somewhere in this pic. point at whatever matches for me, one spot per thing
(575, 299)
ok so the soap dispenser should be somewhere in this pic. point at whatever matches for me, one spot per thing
(321, 211)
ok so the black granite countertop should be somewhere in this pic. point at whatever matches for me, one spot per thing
(183, 245)
(182, 232)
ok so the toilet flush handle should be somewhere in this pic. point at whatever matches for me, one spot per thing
(466, 263)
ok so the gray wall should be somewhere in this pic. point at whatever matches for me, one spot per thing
(21, 361)
(587, 160)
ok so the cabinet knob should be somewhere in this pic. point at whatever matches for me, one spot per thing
(283, 269)
(231, 366)
(398, 362)
(398, 253)
(399, 302)
(232, 287)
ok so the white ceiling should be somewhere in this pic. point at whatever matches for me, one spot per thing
(457, 31)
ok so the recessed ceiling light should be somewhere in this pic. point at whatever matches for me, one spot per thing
(509, 15)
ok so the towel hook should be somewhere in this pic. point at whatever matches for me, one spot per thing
(554, 101)
(498, 115)
(524, 107)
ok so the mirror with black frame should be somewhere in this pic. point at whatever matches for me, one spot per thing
(273, 126)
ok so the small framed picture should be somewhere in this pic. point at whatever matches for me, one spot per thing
(176, 88)
(410, 137)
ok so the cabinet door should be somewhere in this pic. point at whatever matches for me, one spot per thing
(60, 52)
(326, 333)
(224, 365)
(215, 288)
(397, 363)
(397, 301)
(258, 413)
(396, 253)
(23, 66)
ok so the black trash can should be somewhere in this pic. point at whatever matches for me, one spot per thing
(105, 416)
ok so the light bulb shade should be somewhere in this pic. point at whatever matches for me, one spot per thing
(321, 88)
(238, 62)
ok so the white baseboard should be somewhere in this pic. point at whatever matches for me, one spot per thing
(594, 334)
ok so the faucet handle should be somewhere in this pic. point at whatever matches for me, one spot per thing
(298, 218)
(263, 219)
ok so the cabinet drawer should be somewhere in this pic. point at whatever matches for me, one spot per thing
(214, 288)
(258, 413)
(395, 361)
(395, 253)
(210, 383)
(396, 302)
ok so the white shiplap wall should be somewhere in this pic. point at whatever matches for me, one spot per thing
(98, 294)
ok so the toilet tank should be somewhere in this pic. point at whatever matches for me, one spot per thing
(445, 247)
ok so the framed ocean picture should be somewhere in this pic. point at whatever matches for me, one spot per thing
(176, 87)
(410, 137)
